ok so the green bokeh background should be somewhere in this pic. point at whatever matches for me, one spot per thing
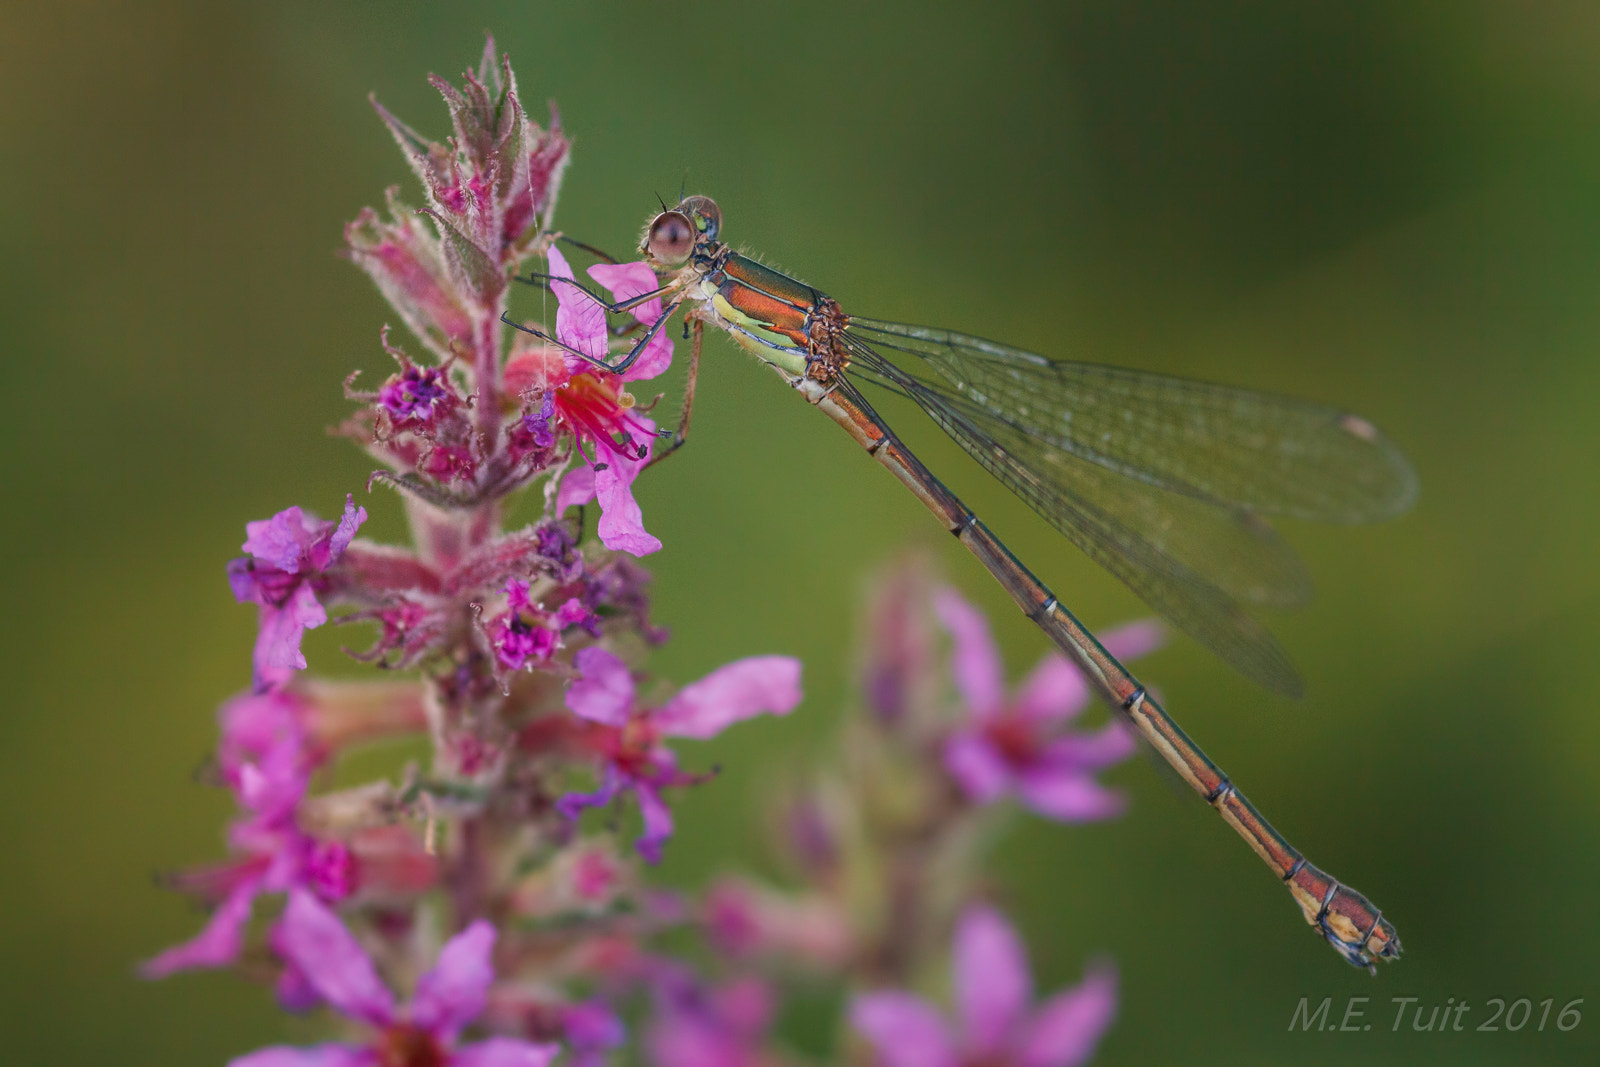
(1393, 207)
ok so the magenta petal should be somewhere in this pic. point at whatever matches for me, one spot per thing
(577, 487)
(314, 939)
(906, 1030)
(1056, 689)
(504, 1052)
(1068, 796)
(345, 533)
(280, 540)
(1135, 639)
(975, 765)
(1112, 743)
(215, 946)
(657, 822)
(621, 525)
(993, 986)
(730, 694)
(452, 994)
(580, 320)
(628, 280)
(573, 804)
(1066, 1028)
(604, 693)
(974, 659)
(310, 1056)
(278, 642)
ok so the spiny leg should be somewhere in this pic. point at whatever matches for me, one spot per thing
(694, 323)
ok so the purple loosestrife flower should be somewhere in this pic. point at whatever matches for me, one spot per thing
(263, 758)
(525, 633)
(595, 406)
(995, 1026)
(1017, 745)
(288, 554)
(627, 738)
(724, 1026)
(426, 1033)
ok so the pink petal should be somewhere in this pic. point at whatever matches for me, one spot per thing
(314, 939)
(577, 487)
(1067, 1027)
(452, 994)
(611, 783)
(604, 693)
(1135, 639)
(621, 525)
(657, 822)
(1112, 743)
(732, 693)
(580, 320)
(280, 540)
(628, 280)
(504, 1052)
(345, 532)
(278, 644)
(1056, 689)
(906, 1030)
(993, 986)
(1068, 796)
(975, 661)
(215, 946)
(975, 765)
(310, 1056)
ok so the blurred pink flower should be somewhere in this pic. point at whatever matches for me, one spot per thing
(996, 1025)
(1018, 744)
(628, 738)
(723, 1026)
(263, 758)
(425, 1033)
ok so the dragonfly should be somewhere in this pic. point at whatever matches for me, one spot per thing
(1163, 481)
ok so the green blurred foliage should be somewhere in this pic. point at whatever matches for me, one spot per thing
(1389, 206)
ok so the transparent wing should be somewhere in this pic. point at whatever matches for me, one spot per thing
(1268, 454)
(1189, 555)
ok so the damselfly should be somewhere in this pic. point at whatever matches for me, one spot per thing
(1162, 481)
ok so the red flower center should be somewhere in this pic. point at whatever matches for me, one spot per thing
(1014, 738)
(593, 405)
(404, 1045)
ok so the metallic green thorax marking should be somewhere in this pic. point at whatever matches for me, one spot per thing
(764, 306)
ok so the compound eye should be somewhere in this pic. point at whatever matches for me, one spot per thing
(671, 238)
(706, 214)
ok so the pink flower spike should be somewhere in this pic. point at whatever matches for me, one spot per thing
(975, 661)
(604, 693)
(730, 694)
